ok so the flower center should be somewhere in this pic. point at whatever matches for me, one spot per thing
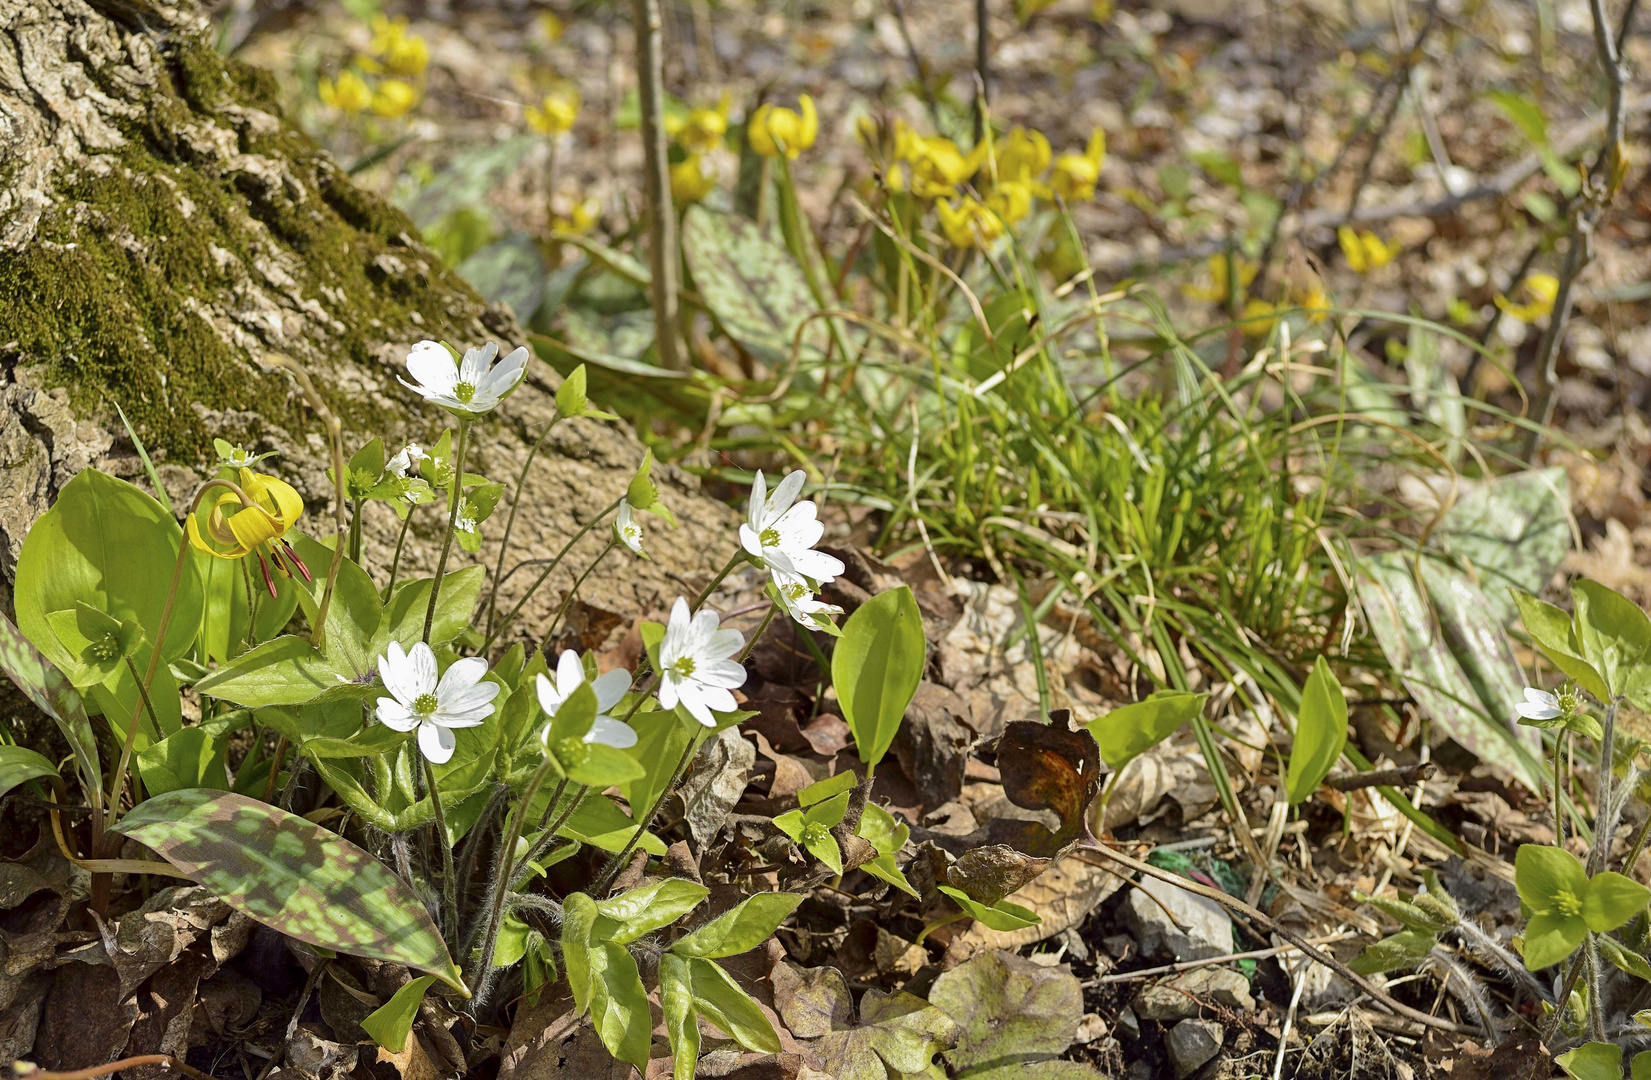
(814, 833)
(1567, 903)
(105, 648)
(571, 752)
(682, 667)
(795, 591)
(770, 537)
(425, 704)
(465, 392)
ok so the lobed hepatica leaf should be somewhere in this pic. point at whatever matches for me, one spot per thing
(291, 875)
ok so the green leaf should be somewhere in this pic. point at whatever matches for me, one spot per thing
(1550, 937)
(574, 717)
(285, 671)
(1592, 1061)
(646, 908)
(391, 1022)
(604, 767)
(619, 1004)
(1641, 1069)
(114, 547)
(744, 927)
(822, 790)
(1126, 733)
(54, 695)
(293, 876)
(19, 765)
(1615, 637)
(598, 822)
(999, 916)
(1623, 958)
(888, 836)
(1551, 631)
(1541, 872)
(579, 923)
(643, 494)
(1321, 732)
(1405, 949)
(1611, 900)
(187, 758)
(723, 1002)
(676, 1000)
(752, 286)
(876, 668)
(404, 617)
(1008, 1009)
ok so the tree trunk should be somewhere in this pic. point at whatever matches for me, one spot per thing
(164, 230)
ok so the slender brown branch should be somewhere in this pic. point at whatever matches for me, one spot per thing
(662, 243)
(1397, 777)
(27, 1070)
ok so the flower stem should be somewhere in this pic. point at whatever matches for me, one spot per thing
(1604, 826)
(567, 600)
(644, 823)
(355, 530)
(538, 850)
(1596, 1010)
(504, 865)
(504, 624)
(275, 767)
(395, 562)
(1559, 795)
(762, 628)
(515, 505)
(452, 520)
(705, 593)
(449, 879)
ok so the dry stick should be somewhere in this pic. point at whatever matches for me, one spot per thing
(27, 1070)
(1209, 961)
(1400, 80)
(1396, 777)
(662, 249)
(1233, 903)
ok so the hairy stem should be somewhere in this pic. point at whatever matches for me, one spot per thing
(452, 521)
(567, 601)
(504, 624)
(705, 593)
(395, 561)
(449, 879)
(510, 522)
(645, 822)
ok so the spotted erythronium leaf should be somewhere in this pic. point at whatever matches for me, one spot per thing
(53, 694)
(1047, 767)
(293, 876)
(19, 765)
(1566, 903)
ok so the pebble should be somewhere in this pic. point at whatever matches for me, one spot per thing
(1129, 1025)
(1191, 1043)
(1209, 930)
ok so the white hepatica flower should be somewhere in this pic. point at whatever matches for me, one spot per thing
(783, 535)
(1539, 705)
(467, 388)
(695, 665)
(609, 687)
(626, 531)
(800, 602)
(406, 460)
(460, 700)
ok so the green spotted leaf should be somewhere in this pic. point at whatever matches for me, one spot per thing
(53, 694)
(292, 875)
(753, 286)
(19, 765)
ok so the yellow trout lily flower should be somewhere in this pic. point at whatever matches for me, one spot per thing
(692, 179)
(968, 224)
(1076, 175)
(1011, 201)
(1542, 289)
(701, 130)
(1217, 289)
(1364, 250)
(400, 52)
(555, 112)
(937, 165)
(394, 98)
(348, 93)
(774, 131)
(252, 521)
(1022, 155)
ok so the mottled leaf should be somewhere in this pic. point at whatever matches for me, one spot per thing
(19, 765)
(291, 875)
(753, 287)
(1008, 1009)
(52, 693)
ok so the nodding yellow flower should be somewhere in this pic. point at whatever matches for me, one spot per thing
(773, 131)
(692, 179)
(401, 53)
(1542, 290)
(1316, 304)
(1364, 250)
(1258, 318)
(1216, 290)
(394, 98)
(252, 521)
(348, 93)
(580, 220)
(555, 112)
(702, 129)
(1076, 175)
(937, 165)
(1022, 155)
(968, 224)
(1011, 200)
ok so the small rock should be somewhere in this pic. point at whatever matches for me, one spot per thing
(1139, 1070)
(1191, 1043)
(1129, 1025)
(1178, 997)
(1209, 930)
(1090, 1028)
(1118, 945)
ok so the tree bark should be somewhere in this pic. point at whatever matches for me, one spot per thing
(165, 231)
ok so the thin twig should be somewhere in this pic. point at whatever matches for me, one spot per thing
(27, 1070)
(1208, 961)
(1395, 777)
(662, 243)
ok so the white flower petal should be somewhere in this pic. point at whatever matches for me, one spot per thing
(461, 718)
(668, 697)
(723, 644)
(722, 673)
(610, 688)
(817, 565)
(463, 674)
(471, 697)
(695, 704)
(431, 365)
(569, 673)
(1538, 712)
(785, 495)
(750, 542)
(611, 732)
(759, 498)
(436, 743)
(395, 716)
(421, 661)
